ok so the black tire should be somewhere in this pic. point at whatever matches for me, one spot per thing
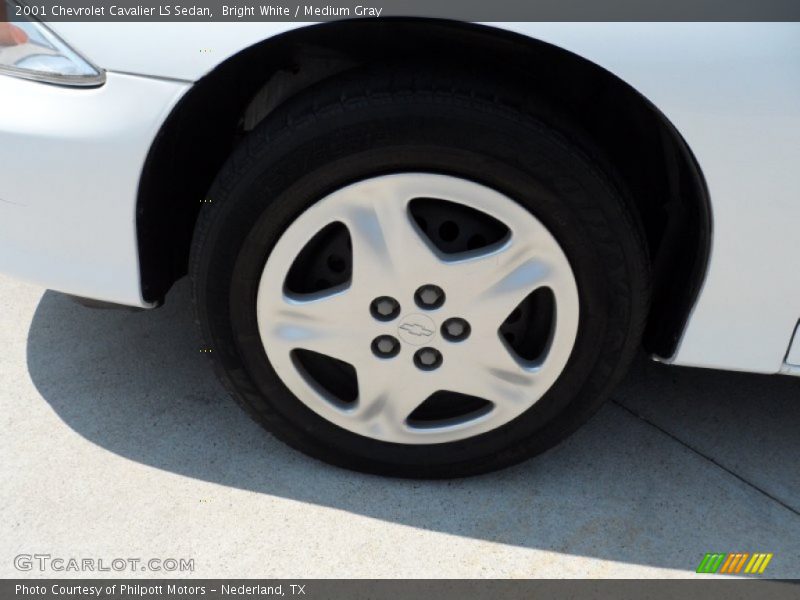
(378, 122)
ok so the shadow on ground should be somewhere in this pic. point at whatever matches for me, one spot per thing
(621, 489)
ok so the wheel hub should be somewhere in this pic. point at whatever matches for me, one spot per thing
(467, 338)
(416, 329)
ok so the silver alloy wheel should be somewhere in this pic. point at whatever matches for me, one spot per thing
(392, 258)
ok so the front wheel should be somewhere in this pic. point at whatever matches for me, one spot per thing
(402, 274)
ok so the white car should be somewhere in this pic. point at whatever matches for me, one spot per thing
(417, 248)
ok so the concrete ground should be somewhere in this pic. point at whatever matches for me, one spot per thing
(116, 441)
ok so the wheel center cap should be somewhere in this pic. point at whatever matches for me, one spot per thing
(416, 329)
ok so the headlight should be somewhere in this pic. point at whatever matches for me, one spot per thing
(31, 51)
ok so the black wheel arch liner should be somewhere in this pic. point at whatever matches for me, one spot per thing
(207, 123)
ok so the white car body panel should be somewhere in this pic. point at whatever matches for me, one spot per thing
(70, 161)
(731, 89)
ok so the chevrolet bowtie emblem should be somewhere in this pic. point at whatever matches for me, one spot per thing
(416, 329)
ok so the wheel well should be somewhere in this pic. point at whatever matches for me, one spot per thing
(667, 188)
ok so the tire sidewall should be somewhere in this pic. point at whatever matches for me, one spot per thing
(297, 165)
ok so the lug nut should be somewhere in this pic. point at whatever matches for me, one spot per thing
(428, 359)
(385, 346)
(429, 296)
(384, 308)
(456, 329)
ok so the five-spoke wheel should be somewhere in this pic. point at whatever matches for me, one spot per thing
(418, 272)
(413, 321)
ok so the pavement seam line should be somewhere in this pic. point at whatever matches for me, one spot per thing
(706, 457)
